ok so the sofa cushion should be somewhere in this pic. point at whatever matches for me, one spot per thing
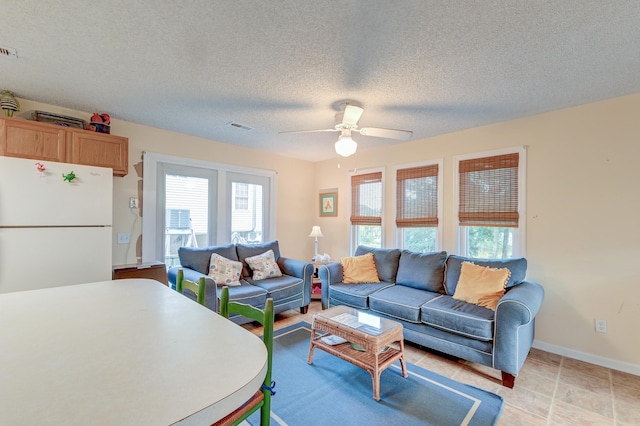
(355, 295)
(198, 258)
(359, 269)
(249, 250)
(282, 289)
(224, 271)
(263, 266)
(386, 261)
(400, 302)
(465, 319)
(518, 268)
(424, 271)
(481, 285)
(247, 293)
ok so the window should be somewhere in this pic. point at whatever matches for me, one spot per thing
(366, 209)
(197, 203)
(490, 205)
(418, 205)
(187, 214)
(241, 196)
(250, 194)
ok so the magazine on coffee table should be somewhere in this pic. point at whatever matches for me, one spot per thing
(370, 326)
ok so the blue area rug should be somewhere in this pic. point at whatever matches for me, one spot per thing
(334, 392)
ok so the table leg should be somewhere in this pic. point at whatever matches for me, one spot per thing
(311, 346)
(376, 378)
(403, 364)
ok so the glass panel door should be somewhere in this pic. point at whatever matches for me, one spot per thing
(248, 197)
(188, 201)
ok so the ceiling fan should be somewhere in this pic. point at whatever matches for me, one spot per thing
(347, 122)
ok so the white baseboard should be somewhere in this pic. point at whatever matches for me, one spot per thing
(590, 358)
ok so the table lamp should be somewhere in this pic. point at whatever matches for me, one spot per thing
(316, 232)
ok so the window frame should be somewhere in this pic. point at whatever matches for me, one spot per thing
(353, 234)
(520, 232)
(399, 232)
(152, 163)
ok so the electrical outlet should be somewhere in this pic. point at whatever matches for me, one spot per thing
(124, 237)
(133, 203)
(601, 326)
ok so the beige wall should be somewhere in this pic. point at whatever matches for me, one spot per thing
(582, 208)
(582, 212)
(295, 201)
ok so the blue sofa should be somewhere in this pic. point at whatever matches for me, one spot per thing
(417, 289)
(291, 290)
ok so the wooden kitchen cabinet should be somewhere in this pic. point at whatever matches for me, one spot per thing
(99, 149)
(43, 141)
(30, 139)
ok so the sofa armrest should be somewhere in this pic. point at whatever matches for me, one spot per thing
(299, 269)
(211, 291)
(522, 301)
(515, 325)
(329, 274)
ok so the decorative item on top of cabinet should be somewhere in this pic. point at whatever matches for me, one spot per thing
(9, 103)
(43, 141)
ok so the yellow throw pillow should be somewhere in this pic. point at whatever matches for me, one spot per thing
(359, 269)
(481, 285)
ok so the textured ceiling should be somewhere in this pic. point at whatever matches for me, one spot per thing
(432, 67)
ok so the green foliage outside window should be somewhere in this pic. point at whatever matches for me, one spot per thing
(421, 240)
(489, 242)
(370, 236)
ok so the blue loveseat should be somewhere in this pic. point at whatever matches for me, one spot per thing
(291, 290)
(417, 289)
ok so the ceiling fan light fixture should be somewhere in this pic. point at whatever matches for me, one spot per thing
(346, 146)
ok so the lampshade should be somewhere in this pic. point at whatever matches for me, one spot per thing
(316, 232)
(346, 146)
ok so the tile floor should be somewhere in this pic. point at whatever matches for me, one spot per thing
(550, 389)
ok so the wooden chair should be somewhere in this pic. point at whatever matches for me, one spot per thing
(262, 398)
(198, 288)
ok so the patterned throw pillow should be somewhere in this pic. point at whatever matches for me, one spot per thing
(481, 285)
(224, 271)
(264, 266)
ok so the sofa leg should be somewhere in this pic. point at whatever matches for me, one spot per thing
(508, 380)
(304, 309)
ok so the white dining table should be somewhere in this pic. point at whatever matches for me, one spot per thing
(124, 352)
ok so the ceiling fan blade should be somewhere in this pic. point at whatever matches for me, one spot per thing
(403, 135)
(352, 114)
(309, 131)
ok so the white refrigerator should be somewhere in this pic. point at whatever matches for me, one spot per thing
(53, 232)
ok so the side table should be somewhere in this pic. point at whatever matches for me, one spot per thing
(316, 284)
(152, 270)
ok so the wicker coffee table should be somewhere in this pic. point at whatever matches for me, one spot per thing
(380, 340)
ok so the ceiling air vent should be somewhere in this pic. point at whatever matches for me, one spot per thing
(8, 51)
(239, 126)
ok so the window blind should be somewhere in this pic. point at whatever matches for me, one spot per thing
(489, 191)
(366, 199)
(417, 197)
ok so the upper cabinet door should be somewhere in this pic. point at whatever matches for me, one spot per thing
(100, 149)
(27, 139)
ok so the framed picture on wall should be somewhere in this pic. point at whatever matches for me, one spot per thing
(329, 204)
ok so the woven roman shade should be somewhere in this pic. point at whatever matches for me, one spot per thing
(366, 199)
(489, 191)
(417, 197)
